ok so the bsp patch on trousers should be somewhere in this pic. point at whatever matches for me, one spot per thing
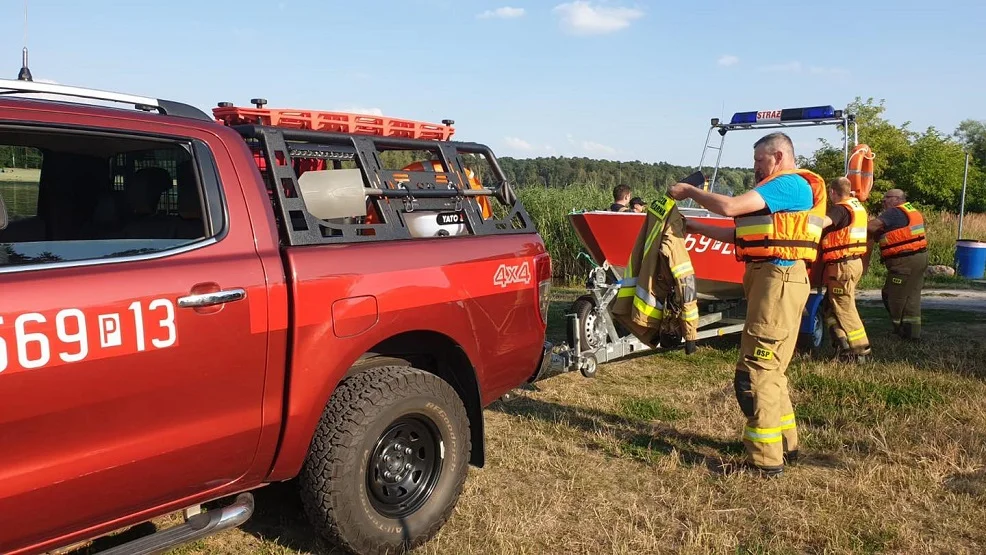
(763, 354)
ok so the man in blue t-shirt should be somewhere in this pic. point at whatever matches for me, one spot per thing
(776, 291)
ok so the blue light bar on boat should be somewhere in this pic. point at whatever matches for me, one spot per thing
(785, 115)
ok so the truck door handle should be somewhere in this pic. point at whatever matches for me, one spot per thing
(211, 299)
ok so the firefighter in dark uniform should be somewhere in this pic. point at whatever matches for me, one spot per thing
(621, 199)
(904, 251)
(777, 234)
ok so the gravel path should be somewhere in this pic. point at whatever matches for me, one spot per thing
(947, 299)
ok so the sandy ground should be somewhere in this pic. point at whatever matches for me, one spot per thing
(947, 299)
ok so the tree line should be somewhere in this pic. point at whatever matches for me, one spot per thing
(927, 165)
(643, 178)
(19, 157)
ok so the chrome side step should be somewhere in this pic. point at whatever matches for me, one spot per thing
(196, 527)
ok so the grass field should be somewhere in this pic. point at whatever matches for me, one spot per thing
(630, 462)
(19, 189)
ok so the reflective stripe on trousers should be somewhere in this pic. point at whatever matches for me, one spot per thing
(770, 435)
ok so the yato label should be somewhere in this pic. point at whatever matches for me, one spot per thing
(451, 218)
(506, 275)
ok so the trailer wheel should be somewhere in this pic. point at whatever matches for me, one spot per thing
(810, 343)
(591, 333)
(387, 462)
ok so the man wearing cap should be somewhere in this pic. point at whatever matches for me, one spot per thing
(899, 229)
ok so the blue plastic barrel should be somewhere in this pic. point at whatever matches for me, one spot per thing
(970, 258)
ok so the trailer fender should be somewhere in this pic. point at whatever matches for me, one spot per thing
(812, 310)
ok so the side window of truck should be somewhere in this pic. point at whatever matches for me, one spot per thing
(74, 196)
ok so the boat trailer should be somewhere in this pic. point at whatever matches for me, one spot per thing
(593, 335)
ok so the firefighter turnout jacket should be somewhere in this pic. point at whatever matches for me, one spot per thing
(850, 241)
(657, 294)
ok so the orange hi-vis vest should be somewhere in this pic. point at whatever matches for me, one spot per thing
(763, 235)
(850, 241)
(906, 240)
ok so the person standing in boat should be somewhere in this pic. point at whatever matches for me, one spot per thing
(638, 205)
(843, 248)
(778, 228)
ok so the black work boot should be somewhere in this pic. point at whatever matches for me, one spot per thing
(791, 457)
(767, 471)
(690, 347)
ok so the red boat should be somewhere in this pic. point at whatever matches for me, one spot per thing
(609, 236)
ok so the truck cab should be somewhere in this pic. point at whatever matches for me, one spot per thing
(196, 306)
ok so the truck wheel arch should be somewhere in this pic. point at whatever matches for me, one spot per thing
(438, 354)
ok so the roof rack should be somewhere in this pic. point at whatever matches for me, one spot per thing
(336, 122)
(143, 103)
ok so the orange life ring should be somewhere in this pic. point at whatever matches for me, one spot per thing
(861, 170)
(436, 166)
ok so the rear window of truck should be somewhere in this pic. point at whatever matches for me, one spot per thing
(73, 197)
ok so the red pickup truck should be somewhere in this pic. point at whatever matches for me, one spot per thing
(196, 306)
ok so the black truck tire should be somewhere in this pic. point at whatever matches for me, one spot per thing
(387, 462)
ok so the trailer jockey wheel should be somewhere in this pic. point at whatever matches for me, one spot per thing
(588, 366)
(592, 335)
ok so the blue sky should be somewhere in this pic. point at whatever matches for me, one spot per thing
(617, 79)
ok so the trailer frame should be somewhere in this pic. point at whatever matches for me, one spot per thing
(602, 283)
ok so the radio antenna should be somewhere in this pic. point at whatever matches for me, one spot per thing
(25, 73)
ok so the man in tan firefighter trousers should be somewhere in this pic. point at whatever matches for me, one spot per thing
(904, 251)
(778, 227)
(843, 247)
(657, 298)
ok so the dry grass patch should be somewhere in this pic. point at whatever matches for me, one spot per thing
(894, 453)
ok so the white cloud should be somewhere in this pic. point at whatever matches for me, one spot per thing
(728, 60)
(582, 18)
(359, 110)
(833, 71)
(517, 143)
(505, 12)
(597, 148)
(785, 67)
(590, 147)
